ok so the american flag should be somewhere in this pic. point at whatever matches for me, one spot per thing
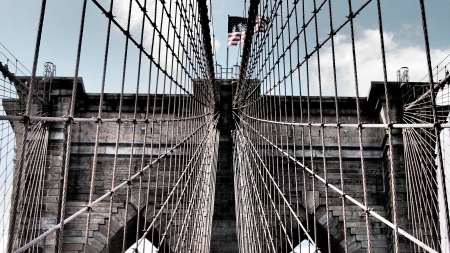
(236, 30)
(261, 24)
(237, 27)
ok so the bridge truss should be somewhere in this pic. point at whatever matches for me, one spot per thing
(174, 137)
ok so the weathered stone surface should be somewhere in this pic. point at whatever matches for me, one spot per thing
(224, 236)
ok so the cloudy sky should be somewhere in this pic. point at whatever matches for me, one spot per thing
(402, 24)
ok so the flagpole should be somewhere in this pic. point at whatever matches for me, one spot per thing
(228, 49)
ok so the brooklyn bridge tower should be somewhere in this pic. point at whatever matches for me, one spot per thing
(293, 149)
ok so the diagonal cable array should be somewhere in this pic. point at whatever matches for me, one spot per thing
(170, 138)
(422, 162)
(293, 146)
(136, 170)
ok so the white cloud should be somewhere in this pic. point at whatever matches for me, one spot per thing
(216, 43)
(121, 10)
(162, 45)
(216, 46)
(159, 42)
(369, 62)
(368, 53)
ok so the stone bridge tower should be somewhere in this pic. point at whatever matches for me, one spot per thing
(130, 208)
